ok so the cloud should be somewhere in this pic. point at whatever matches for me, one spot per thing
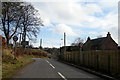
(72, 13)
(101, 15)
(66, 0)
(108, 3)
(61, 28)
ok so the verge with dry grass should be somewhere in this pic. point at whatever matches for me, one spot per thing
(23, 56)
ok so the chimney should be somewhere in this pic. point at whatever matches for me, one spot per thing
(108, 35)
(88, 38)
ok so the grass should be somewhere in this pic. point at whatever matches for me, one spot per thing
(11, 67)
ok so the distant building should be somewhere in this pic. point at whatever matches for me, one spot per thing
(103, 43)
(69, 48)
(52, 50)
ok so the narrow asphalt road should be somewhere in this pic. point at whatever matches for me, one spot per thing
(50, 68)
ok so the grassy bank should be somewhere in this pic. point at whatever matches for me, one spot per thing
(12, 66)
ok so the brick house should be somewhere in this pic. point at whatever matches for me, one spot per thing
(103, 43)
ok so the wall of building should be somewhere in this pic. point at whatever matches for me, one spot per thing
(109, 44)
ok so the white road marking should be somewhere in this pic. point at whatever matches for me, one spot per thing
(62, 76)
(52, 66)
(47, 61)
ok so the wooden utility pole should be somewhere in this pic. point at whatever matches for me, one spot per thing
(40, 43)
(64, 42)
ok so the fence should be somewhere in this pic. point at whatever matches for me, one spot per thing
(104, 61)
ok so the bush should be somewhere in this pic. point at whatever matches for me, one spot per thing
(7, 56)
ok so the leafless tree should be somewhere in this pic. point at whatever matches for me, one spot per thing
(10, 18)
(19, 18)
(78, 42)
(30, 22)
(99, 36)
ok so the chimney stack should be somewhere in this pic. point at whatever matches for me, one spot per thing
(88, 38)
(108, 35)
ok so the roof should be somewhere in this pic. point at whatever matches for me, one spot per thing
(99, 43)
(96, 42)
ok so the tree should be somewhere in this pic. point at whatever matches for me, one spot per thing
(99, 36)
(30, 22)
(19, 19)
(10, 19)
(78, 42)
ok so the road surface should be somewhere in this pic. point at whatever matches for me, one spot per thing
(50, 68)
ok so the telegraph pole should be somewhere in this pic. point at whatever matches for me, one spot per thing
(64, 39)
(40, 43)
(64, 42)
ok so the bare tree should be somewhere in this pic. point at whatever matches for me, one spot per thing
(18, 18)
(10, 18)
(30, 22)
(99, 36)
(78, 42)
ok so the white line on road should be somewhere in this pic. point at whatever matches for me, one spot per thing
(62, 76)
(52, 66)
(47, 61)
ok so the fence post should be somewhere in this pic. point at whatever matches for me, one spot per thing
(83, 62)
(68, 57)
(118, 62)
(117, 69)
(109, 64)
(74, 58)
(78, 58)
(97, 62)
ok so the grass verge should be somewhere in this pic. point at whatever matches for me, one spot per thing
(11, 67)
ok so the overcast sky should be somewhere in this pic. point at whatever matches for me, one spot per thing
(77, 18)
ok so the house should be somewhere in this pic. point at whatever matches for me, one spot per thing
(103, 43)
